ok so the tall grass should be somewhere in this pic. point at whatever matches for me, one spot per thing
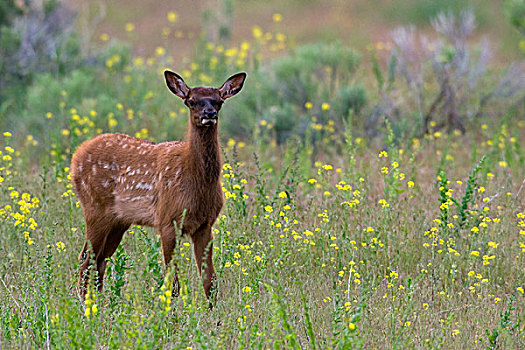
(314, 256)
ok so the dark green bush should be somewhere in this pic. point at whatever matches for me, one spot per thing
(35, 37)
(8, 11)
(285, 119)
(516, 12)
(314, 71)
(351, 99)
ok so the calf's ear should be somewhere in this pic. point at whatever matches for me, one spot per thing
(232, 86)
(176, 84)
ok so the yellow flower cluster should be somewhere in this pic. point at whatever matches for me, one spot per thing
(91, 307)
(22, 217)
(521, 229)
(275, 42)
(166, 291)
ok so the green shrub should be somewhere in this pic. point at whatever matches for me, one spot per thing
(351, 99)
(314, 71)
(40, 40)
(516, 12)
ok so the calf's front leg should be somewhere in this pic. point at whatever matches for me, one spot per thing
(203, 249)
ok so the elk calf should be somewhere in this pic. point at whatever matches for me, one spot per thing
(121, 180)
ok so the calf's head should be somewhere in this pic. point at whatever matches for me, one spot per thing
(204, 103)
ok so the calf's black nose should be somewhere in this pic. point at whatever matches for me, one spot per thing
(210, 114)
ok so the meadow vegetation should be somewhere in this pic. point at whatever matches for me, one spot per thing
(373, 199)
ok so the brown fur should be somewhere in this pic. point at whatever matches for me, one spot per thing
(121, 180)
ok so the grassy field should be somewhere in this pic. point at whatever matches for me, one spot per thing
(421, 245)
(330, 237)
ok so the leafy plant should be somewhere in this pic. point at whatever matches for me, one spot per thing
(34, 37)
(117, 270)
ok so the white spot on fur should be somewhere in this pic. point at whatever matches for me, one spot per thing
(143, 186)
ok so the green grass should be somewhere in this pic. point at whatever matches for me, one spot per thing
(300, 262)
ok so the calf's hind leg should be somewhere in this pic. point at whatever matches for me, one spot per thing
(104, 236)
(110, 246)
(96, 233)
(168, 240)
